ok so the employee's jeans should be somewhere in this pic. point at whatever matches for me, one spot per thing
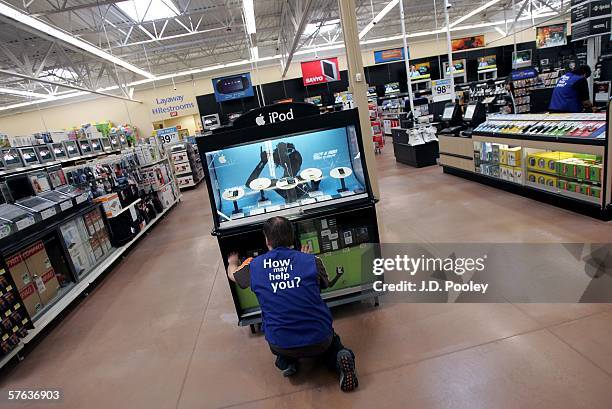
(327, 349)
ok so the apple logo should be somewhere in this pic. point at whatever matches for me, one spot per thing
(222, 159)
(260, 120)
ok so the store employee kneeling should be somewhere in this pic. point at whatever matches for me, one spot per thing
(296, 321)
(571, 94)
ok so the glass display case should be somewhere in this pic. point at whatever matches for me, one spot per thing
(283, 175)
(45, 153)
(311, 170)
(11, 158)
(72, 149)
(59, 151)
(556, 158)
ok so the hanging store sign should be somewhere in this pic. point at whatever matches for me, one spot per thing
(553, 35)
(320, 71)
(391, 55)
(590, 18)
(233, 87)
(441, 90)
(467, 43)
(173, 106)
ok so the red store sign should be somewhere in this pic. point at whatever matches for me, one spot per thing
(320, 71)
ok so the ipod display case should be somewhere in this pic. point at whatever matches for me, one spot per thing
(311, 170)
(286, 174)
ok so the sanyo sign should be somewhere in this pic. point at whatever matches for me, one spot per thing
(273, 117)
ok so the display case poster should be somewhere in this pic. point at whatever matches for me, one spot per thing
(420, 71)
(488, 62)
(553, 35)
(393, 54)
(233, 87)
(320, 71)
(467, 43)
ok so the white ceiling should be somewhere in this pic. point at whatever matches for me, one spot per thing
(174, 36)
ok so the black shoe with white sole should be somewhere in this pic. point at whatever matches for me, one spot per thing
(345, 362)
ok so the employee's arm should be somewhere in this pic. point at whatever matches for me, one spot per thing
(582, 89)
(239, 273)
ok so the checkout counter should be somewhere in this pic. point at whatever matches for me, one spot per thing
(455, 139)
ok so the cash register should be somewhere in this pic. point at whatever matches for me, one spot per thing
(475, 114)
(451, 117)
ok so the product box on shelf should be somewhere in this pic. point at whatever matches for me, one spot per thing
(546, 161)
(185, 180)
(182, 167)
(166, 196)
(31, 300)
(513, 156)
(19, 271)
(517, 173)
(110, 203)
(180, 156)
(542, 179)
(41, 271)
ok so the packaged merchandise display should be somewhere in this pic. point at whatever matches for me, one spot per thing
(14, 320)
(559, 172)
(187, 164)
(581, 126)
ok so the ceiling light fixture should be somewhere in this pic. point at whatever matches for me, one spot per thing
(473, 13)
(378, 17)
(22, 93)
(140, 10)
(275, 57)
(249, 16)
(46, 29)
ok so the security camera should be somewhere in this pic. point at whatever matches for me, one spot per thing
(174, 87)
(448, 5)
(373, 23)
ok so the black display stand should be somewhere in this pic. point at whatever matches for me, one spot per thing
(419, 155)
(350, 214)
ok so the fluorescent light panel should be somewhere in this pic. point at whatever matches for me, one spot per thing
(139, 10)
(378, 17)
(277, 56)
(67, 38)
(249, 16)
(474, 12)
(22, 93)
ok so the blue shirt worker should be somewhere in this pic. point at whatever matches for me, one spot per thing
(296, 321)
(571, 94)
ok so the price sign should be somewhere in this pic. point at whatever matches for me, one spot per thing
(441, 90)
(168, 135)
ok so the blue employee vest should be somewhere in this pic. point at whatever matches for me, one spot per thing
(565, 97)
(286, 284)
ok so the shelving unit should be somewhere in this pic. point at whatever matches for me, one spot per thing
(187, 164)
(557, 158)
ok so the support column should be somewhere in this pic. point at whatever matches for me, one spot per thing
(593, 53)
(357, 84)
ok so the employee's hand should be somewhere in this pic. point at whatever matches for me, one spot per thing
(232, 259)
(306, 248)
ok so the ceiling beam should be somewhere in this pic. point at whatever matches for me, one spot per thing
(28, 77)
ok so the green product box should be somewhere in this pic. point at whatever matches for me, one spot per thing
(582, 170)
(585, 189)
(595, 173)
(595, 191)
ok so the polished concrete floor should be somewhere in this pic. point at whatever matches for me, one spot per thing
(160, 331)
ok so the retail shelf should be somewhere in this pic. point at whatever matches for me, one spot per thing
(127, 207)
(54, 310)
(153, 163)
(11, 354)
(178, 175)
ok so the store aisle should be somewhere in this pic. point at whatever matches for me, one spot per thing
(159, 332)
